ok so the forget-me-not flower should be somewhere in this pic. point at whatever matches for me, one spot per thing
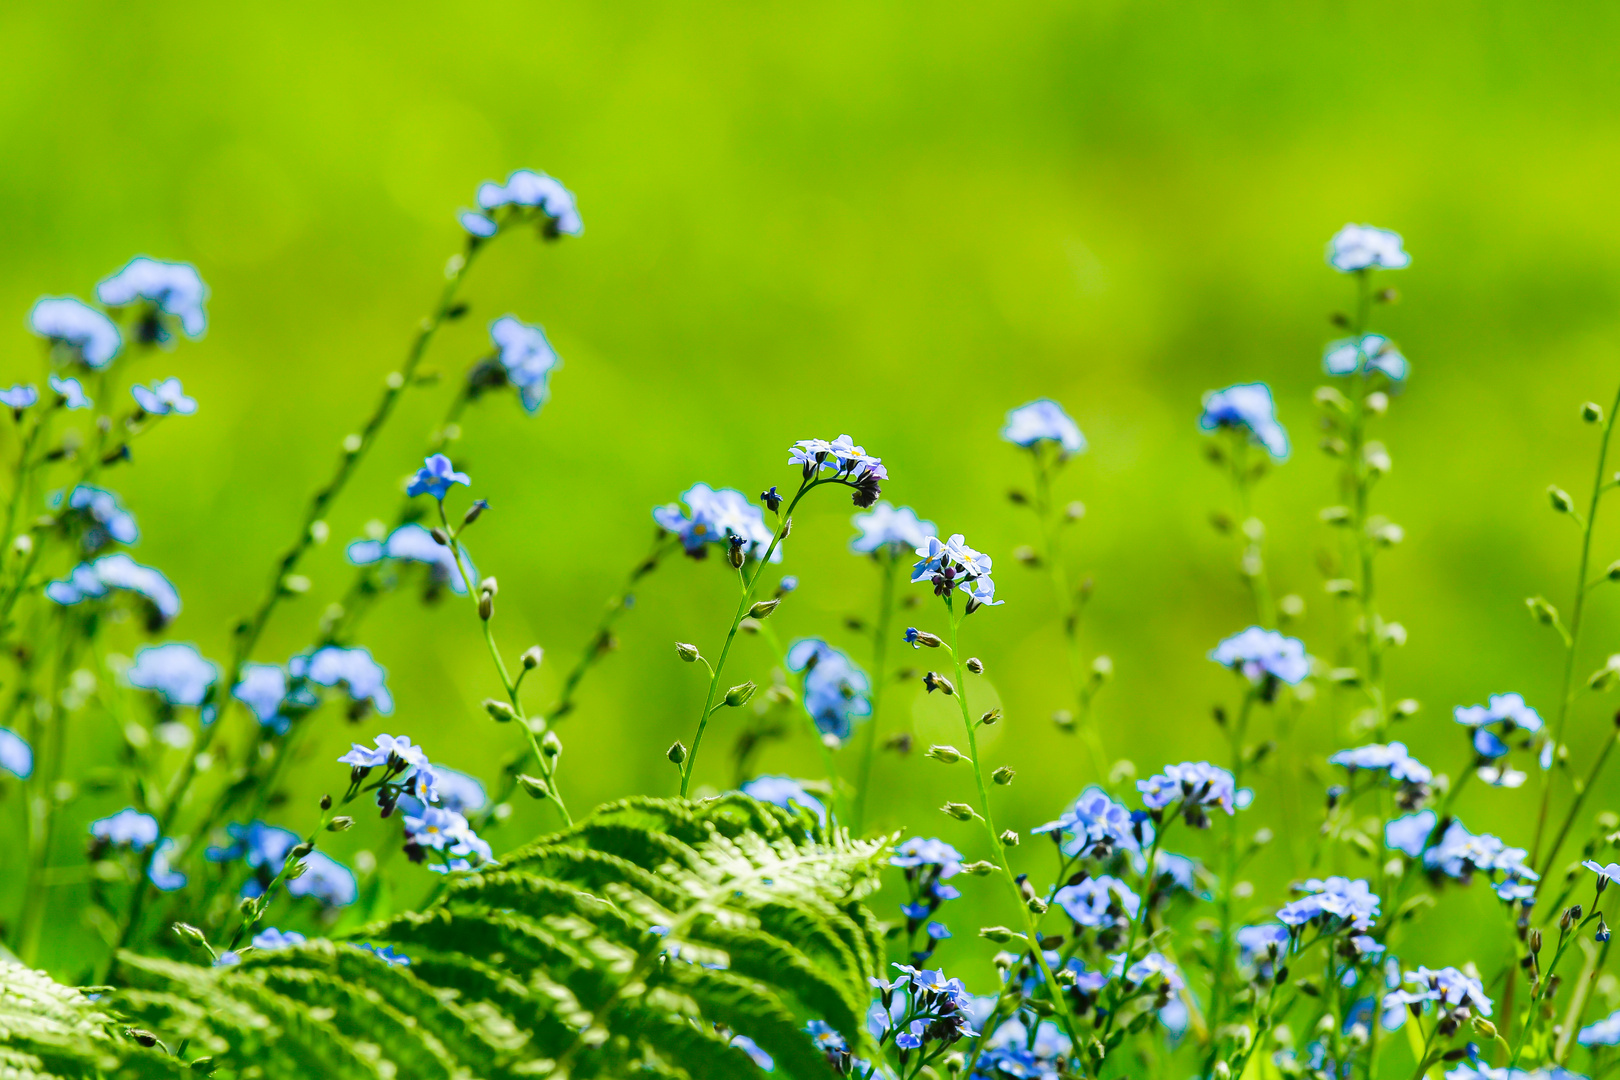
(1150, 966)
(456, 790)
(263, 689)
(1099, 902)
(163, 398)
(851, 466)
(1447, 987)
(101, 516)
(1410, 834)
(885, 526)
(325, 879)
(94, 580)
(16, 756)
(1367, 353)
(951, 564)
(261, 846)
(1506, 714)
(529, 188)
(386, 954)
(435, 478)
(71, 392)
(1247, 406)
(1353, 902)
(163, 876)
(413, 543)
(19, 397)
(1459, 852)
(1094, 824)
(1393, 759)
(388, 748)
(1605, 1032)
(270, 939)
(836, 690)
(783, 791)
(527, 358)
(353, 669)
(1259, 941)
(129, 828)
(173, 289)
(1362, 247)
(1043, 421)
(713, 517)
(1259, 653)
(175, 671)
(447, 831)
(1196, 783)
(76, 327)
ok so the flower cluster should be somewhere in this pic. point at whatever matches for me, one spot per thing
(118, 573)
(1264, 656)
(1094, 826)
(525, 193)
(927, 865)
(919, 1011)
(410, 781)
(952, 565)
(1336, 902)
(1246, 407)
(411, 543)
(723, 517)
(1043, 422)
(836, 690)
(888, 529)
(847, 463)
(1196, 785)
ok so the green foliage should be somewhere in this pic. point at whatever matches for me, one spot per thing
(636, 942)
(49, 1031)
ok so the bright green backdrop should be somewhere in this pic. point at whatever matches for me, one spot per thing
(888, 219)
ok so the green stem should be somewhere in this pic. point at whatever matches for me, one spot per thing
(1217, 992)
(880, 647)
(44, 799)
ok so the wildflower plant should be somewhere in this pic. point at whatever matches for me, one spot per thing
(738, 933)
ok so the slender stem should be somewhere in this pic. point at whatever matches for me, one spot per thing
(880, 647)
(1223, 956)
(1576, 619)
(45, 809)
(1252, 559)
(743, 605)
(1031, 929)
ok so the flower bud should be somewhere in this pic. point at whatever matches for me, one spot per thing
(486, 606)
(998, 934)
(676, 752)
(1535, 942)
(771, 498)
(142, 1036)
(935, 681)
(1009, 838)
(737, 553)
(1003, 776)
(1541, 611)
(341, 823)
(688, 653)
(475, 511)
(1102, 668)
(923, 637)
(1484, 1027)
(440, 537)
(1612, 573)
(551, 745)
(763, 609)
(191, 935)
(499, 711)
(1222, 1071)
(1405, 707)
(1036, 905)
(991, 718)
(1592, 412)
(23, 545)
(534, 786)
(326, 803)
(981, 868)
(532, 657)
(739, 694)
(975, 665)
(959, 811)
(1560, 499)
(1064, 719)
(1027, 555)
(1075, 510)
(947, 755)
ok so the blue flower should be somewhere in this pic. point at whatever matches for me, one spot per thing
(917, 852)
(163, 398)
(16, 756)
(1270, 939)
(786, 585)
(1392, 759)
(445, 830)
(1507, 710)
(528, 188)
(785, 792)
(1447, 987)
(72, 394)
(1605, 1032)
(1043, 420)
(477, 224)
(1410, 834)
(527, 357)
(887, 527)
(263, 689)
(388, 748)
(953, 565)
(386, 954)
(1459, 853)
(1151, 965)
(1258, 653)
(1362, 247)
(263, 847)
(162, 875)
(413, 543)
(103, 517)
(19, 396)
(1353, 902)
(353, 669)
(173, 289)
(128, 828)
(1094, 824)
(90, 581)
(1368, 353)
(176, 671)
(850, 464)
(228, 958)
(1249, 406)
(836, 690)
(713, 517)
(824, 1036)
(1196, 783)
(269, 939)
(1099, 902)
(755, 1054)
(435, 478)
(77, 328)
(325, 879)
(1606, 874)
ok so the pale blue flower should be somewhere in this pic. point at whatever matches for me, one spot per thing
(1362, 247)
(413, 543)
(528, 188)
(387, 746)
(1410, 834)
(713, 517)
(1447, 988)
(19, 397)
(325, 879)
(128, 828)
(755, 1054)
(477, 224)
(885, 526)
(1607, 873)
(918, 852)
(269, 939)
(353, 669)
(72, 394)
(1248, 406)
(1605, 1032)
(263, 690)
(16, 756)
(1099, 902)
(785, 792)
(1195, 783)
(1151, 965)
(1259, 653)
(78, 328)
(175, 671)
(1369, 352)
(102, 516)
(1393, 759)
(445, 830)
(1094, 824)
(163, 876)
(435, 478)
(840, 456)
(457, 791)
(951, 564)
(94, 580)
(1341, 898)
(1509, 710)
(1043, 420)
(527, 357)
(163, 398)
(836, 690)
(386, 954)
(173, 289)
(1260, 941)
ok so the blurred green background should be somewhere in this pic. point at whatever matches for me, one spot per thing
(893, 220)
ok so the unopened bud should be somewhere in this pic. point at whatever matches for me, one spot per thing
(1102, 668)
(534, 786)
(923, 637)
(486, 606)
(475, 511)
(326, 802)
(440, 537)
(676, 752)
(763, 609)
(341, 823)
(991, 718)
(935, 681)
(1592, 412)
(1541, 611)
(1026, 555)
(1222, 1071)
(739, 694)
(998, 934)
(1560, 499)
(957, 810)
(1009, 838)
(1075, 510)
(948, 755)
(551, 745)
(1064, 719)
(499, 711)
(1016, 497)
(982, 868)
(737, 553)
(1036, 905)
(23, 545)
(190, 935)
(1003, 776)
(975, 665)
(532, 657)
(1535, 942)
(686, 652)
(1406, 707)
